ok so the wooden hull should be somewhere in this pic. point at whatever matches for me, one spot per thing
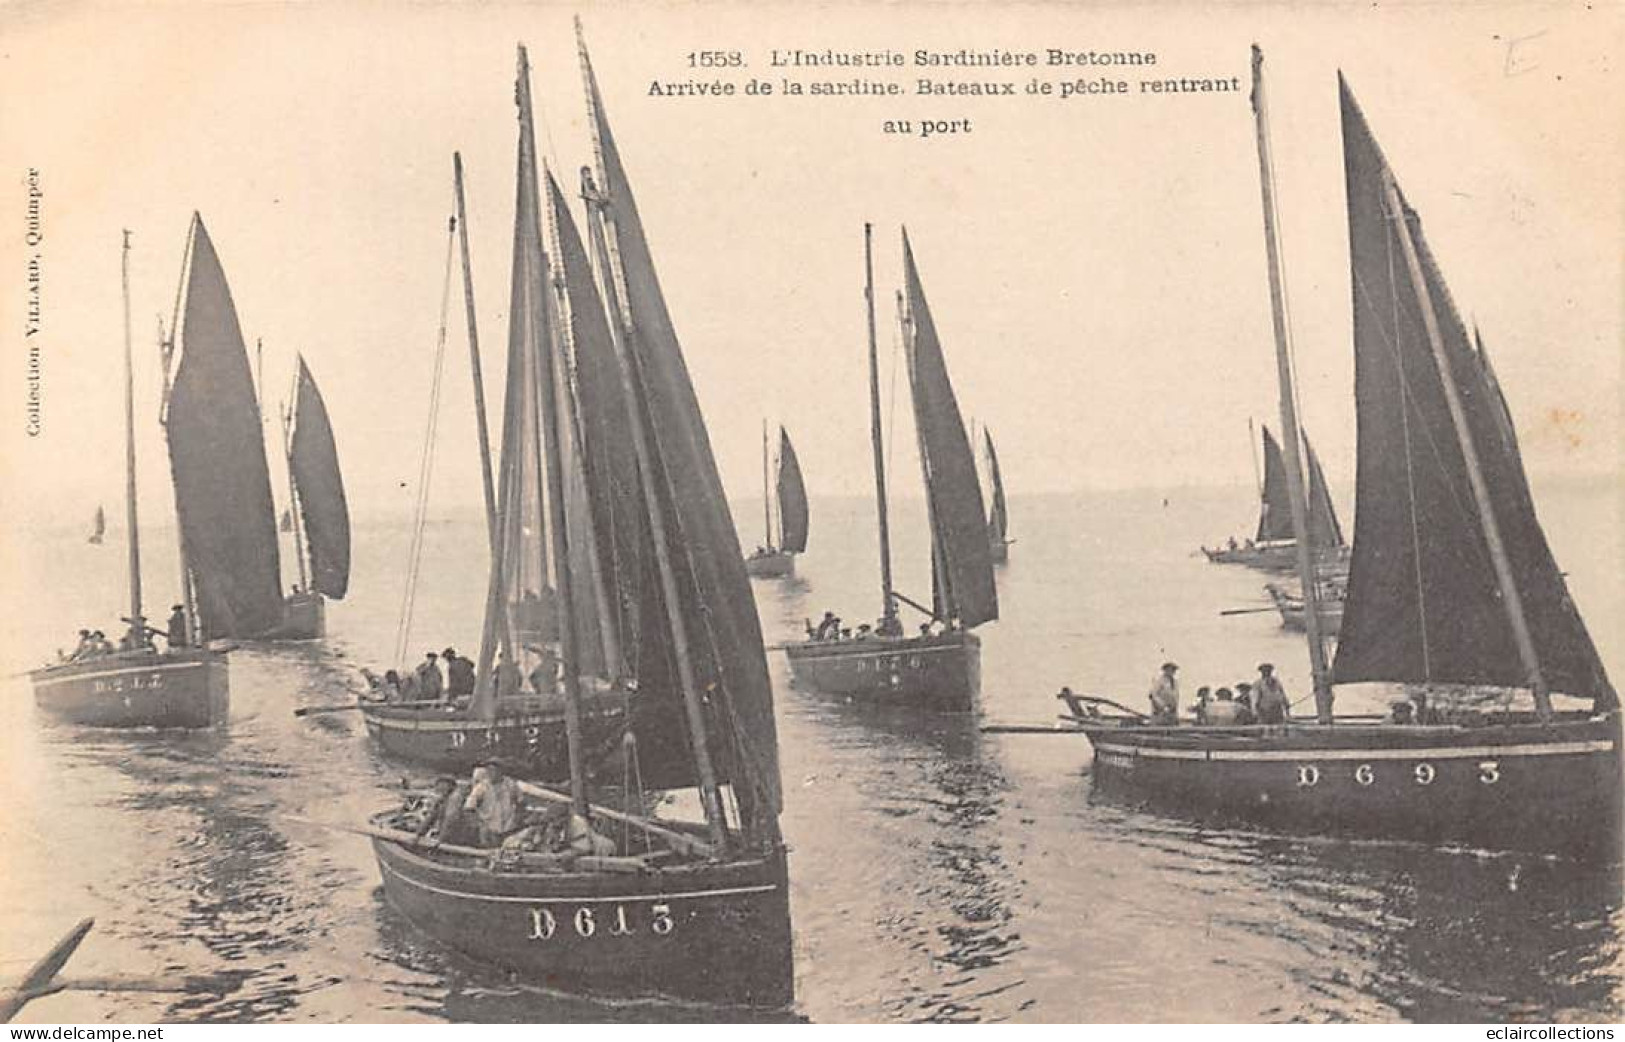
(943, 671)
(1293, 612)
(185, 688)
(711, 933)
(304, 617)
(1278, 557)
(1552, 788)
(775, 564)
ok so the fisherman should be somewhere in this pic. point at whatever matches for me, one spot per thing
(430, 685)
(1232, 544)
(177, 635)
(1245, 714)
(1224, 709)
(1204, 697)
(103, 645)
(494, 799)
(864, 631)
(846, 634)
(81, 649)
(459, 674)
(828, 628)
(447, 820)
(1273, 706)
(890, 625)
(1164, 694)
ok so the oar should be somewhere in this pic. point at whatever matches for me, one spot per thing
(1030, 728)
(393, 835)
(38, 980)
(1246, 611)
(314, 710)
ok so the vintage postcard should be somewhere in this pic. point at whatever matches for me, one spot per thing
(837, 512)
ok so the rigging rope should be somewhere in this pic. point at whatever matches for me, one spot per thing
(403, 632)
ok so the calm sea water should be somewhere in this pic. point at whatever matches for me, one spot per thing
(936, 873)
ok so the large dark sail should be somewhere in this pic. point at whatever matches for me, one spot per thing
(1274, 508)
(998, 515)
(792, 494)
(959, 525)
(313, 456)
(217, 458)
(1423, 601)
(725, 634)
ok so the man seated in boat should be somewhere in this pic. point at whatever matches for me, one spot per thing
(83, 649)
(494, 800)
(1225, 710)
(864, 631)
(1164, 694)
(444, 817)
(889, 626)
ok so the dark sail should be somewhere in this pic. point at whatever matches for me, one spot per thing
(314, 459)
(1324, 530)
(726, 635)
(792, 498)
(217, 459)
(953, 490)
(998, 515)
(1275, 506)
(1423, 602)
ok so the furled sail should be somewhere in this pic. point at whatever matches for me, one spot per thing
(725, 636)
(314, 459)
(1275, 506)
(217, 458)
(964, 571)
(998, 515)
(1324, 530)
(1423, 601)
(792, 494)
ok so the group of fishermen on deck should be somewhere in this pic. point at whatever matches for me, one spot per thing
(485, 810)
(94, 643)
(830, 628)
(454, 688)
(1262, 700)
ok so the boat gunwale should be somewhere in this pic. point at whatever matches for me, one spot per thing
(872, 645)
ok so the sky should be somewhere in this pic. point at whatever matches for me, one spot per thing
(1095, 266)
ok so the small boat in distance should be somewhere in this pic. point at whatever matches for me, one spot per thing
(98, 528)
(1468, 613)
(1273, 548)
(319, 515)
(998, 514)
(696, 912)
(1329, 604)
(790, 494)
(940, 667)
(135, 685)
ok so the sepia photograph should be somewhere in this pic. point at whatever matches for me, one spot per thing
(683, 511)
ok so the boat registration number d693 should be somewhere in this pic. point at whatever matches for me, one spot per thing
(586, 921)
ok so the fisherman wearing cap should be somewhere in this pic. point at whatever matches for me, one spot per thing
(84, 648)
(1270, 697)
(494, 799)
(459, 674)
(1165, 694)
(829, 628)
(176, 633)
(430, 686)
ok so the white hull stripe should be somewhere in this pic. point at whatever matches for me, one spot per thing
(1464, 752)
(469, 726)
(513, 899)
(77, 677)
(797, 657)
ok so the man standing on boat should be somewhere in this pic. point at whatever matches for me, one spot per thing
(429, 683)
(177, 627)
(1270, 697)
(1165, 694)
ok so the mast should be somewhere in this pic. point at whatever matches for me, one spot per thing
(486, 482)
(620, 329)
(767, 494)
(294, 510)
(888, 606)
(1510, 597)
(1289, 411)
(136, 619)
(550, 434)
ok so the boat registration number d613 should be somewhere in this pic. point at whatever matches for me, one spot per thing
(587, 921)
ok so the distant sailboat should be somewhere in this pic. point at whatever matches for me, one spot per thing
(998, 514)
(789, 492)
(98, 528)
(183, 686)
(1273, 547)
(938, 667)
(319, 517)
(1467, 611)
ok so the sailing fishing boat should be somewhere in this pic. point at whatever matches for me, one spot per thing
(318, 515)
(998, 514)
(790, 494)
(1290, 605)
(656, 594)
(1467, 603)
(1274, 548)
(137, 685)
(98, 528)
(941, 666)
